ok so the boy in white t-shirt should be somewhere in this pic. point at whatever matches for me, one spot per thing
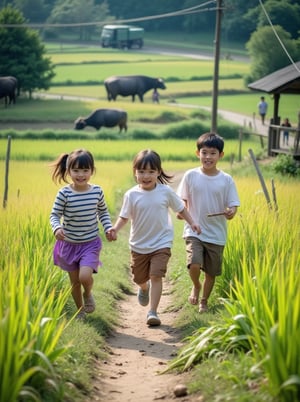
(211, 198)
(151, 235)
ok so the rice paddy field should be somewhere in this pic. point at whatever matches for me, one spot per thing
(251, 336)
(259, 287)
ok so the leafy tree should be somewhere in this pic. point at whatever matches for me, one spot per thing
(77, 12)
(266, 52)
(281, 13)
(235, 23)
(33, 10)
(22, 54)
(204, 19)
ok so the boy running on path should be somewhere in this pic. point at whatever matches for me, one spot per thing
(206, 191)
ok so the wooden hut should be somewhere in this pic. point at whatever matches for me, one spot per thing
(281, 82)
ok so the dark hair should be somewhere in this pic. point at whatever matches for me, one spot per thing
(210, 140)
(79, 159)
(149, 158)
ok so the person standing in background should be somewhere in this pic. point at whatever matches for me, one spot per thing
(155, 96)
(286, 133)
(262, 109)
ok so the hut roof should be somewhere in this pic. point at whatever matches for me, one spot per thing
(283, 81)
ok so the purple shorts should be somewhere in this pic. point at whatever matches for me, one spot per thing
(71, 256)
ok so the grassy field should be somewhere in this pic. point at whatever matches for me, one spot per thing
(80, 72)
(254, 242)
(122, 150)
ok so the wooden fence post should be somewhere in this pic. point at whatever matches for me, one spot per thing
(274, 195)
(263, 184)
(6, 171)
(240, 144)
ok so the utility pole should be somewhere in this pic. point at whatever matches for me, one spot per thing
(214, 110)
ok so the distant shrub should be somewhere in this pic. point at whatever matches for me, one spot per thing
(201, 114)
(191, 129)
(228, 131)
(169, 117)
(105, 135)
(286, 165)
(194, 128)
(163, 117)
(143, 135)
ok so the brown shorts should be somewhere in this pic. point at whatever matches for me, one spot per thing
(209, 256)
(145, 265)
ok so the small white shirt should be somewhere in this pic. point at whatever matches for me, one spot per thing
(151, 224)
(204, 195)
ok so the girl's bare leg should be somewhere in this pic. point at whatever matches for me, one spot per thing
(86, 280)
(76, 288)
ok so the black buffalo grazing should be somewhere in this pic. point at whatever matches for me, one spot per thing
(131, 85)
(103, 118)
(8, 88)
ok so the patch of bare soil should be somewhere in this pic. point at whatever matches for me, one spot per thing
(138, 354)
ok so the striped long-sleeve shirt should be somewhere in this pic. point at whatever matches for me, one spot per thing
(78, 213)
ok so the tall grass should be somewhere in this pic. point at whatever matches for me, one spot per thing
(260, 291)
(31, 310)
(34, 306)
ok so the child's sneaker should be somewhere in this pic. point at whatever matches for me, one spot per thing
(143, 296)
(203, 306)
(152, 319)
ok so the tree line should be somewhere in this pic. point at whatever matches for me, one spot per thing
(240, 18)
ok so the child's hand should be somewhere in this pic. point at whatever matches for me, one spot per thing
(59, 234)
(196, 228)
(230, 212)
(111, 235)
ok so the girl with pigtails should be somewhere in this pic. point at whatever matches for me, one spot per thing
(78, 208)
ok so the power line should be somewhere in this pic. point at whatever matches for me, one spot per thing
(191, 10)
(278, 38)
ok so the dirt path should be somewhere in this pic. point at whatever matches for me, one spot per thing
(137, 354)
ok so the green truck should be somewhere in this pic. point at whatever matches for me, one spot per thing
(122, 36)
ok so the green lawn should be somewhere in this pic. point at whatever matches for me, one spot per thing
(166, 68)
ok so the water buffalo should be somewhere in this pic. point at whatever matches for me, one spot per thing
(8, 87)
(131, 85)
(103, 118)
